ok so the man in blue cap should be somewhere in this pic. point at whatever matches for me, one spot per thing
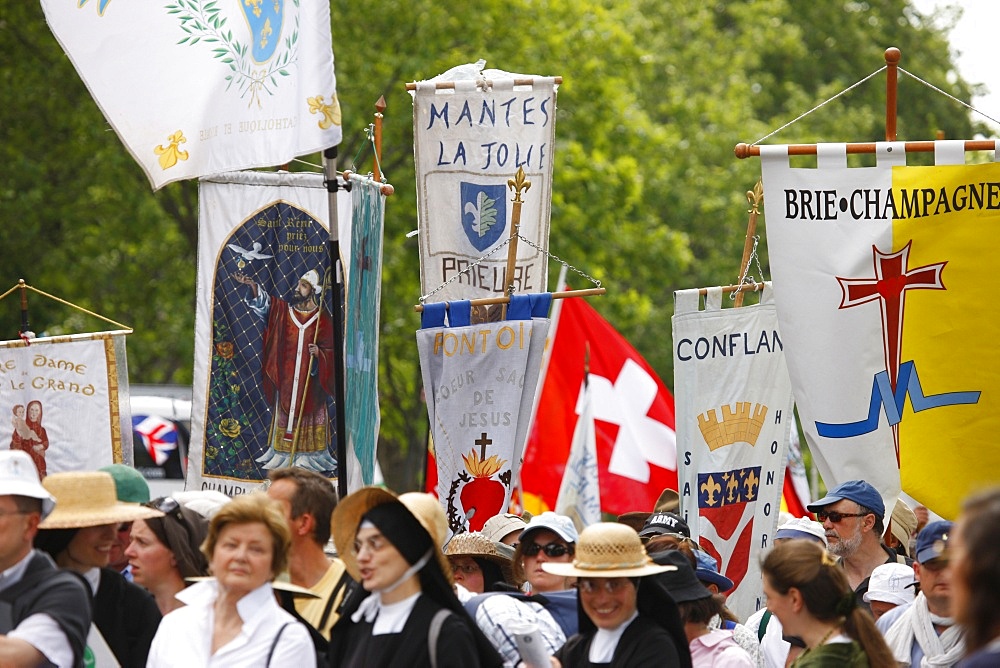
(852, 515)
(923, 632)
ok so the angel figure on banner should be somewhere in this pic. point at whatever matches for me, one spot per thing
(297, 373)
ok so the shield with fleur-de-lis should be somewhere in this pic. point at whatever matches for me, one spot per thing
(484, 213)
(726, 504)
(264, 17)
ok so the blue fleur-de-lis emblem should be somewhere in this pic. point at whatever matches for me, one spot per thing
(484, 213)
(265, 18)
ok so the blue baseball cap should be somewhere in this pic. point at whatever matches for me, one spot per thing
(858, 491)
(708, 571)
(932, 541)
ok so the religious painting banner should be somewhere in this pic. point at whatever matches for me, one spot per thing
(197, 87)
(733, 402)
(879, 276)
(263, 395)
(480, 383)
(364, 297)
(470, 136)
(66, 399)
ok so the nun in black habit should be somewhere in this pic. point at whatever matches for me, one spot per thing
(407, 613)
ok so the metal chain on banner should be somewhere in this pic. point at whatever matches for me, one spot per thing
(560, 261)
(747, 279)
(459, 275)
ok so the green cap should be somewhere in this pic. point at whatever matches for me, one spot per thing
(130, 486)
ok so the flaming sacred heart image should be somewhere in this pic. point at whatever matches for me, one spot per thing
(482, 497)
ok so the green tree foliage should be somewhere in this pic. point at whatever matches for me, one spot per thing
(647, 194)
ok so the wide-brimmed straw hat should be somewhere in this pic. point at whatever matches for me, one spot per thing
(348, 513)
(608, 550)
(88, 499)
(476, 545)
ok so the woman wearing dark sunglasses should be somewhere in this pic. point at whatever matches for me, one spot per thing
(549, 537)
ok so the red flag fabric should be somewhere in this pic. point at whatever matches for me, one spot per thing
(790, 497)
(633, 415)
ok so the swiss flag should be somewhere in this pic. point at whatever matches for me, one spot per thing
(633, 415)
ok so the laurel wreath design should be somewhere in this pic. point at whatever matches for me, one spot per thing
(203, 22)
(455, 521)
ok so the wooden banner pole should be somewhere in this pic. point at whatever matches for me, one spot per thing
(377, 138)
(892, 56)
(518, 184)
(754, 197)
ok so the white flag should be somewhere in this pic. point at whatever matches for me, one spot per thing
(734, 407)
(580, 491)
(469, 139)
(198, 87)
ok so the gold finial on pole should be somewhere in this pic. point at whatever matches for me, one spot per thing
(518, 184)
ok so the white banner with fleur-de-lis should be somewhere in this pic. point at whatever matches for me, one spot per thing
(733, 403)
(472, 130)
(198, 87)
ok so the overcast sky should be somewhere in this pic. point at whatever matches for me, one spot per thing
(974, 40)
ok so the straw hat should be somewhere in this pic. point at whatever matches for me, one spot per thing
(477, 545)
(904, 523)
(608, 550)
(348, 513)
(87, 499)
(497, 527)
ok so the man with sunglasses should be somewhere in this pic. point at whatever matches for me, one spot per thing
(852, 516)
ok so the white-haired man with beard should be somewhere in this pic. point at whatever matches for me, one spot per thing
(852, 516)
(297, 364)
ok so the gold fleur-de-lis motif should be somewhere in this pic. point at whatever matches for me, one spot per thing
(711, 487)
(519, 184)
(750, 485)
(256, 6)
(171, 153)
(330, 113)
(265, 33)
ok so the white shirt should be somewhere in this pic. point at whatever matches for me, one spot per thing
(185, 635)
(605, 642)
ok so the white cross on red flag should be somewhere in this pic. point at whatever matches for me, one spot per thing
(633, 416)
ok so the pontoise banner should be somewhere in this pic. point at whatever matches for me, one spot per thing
(66, 399)
(196, 87)
(733, 403)
(881, 277)
(468, 141)
(264, 394)
(480, 382)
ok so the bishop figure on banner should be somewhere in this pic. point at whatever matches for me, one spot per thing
(297, 370)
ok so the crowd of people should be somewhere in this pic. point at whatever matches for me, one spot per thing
(94, 572)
